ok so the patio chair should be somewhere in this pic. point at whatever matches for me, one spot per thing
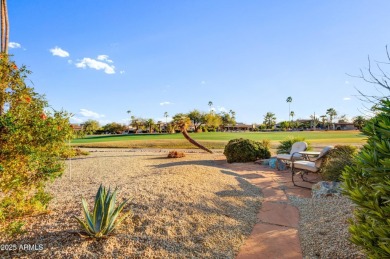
(294, 153)
(304, 167)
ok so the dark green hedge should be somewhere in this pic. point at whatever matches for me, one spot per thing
(245, 150)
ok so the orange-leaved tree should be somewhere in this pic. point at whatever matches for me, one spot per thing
(33, 138)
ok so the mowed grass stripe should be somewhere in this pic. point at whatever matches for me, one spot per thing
(217, 140)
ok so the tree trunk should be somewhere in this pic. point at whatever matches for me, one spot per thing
(185, 134)
(4, 27)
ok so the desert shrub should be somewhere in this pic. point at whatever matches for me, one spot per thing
(175, 154)
(32, 139)
(367, 184)
(104, 217)
(245, 150)
(285, 145)
(336, 160)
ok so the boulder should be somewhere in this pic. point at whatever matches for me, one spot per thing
(325, 189)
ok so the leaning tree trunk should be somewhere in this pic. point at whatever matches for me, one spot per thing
(185, 134)
(4, 27)
(4, 35)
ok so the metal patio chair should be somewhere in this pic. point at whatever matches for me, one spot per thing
(304, 167)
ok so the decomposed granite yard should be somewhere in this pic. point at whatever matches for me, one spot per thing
(181, 208)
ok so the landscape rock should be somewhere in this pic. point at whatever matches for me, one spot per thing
(325, 188)
(175, 154)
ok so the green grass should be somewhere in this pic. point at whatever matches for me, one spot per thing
(217, 139)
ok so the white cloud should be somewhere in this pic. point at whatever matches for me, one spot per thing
(14, 45)
(165, 103)
(70, 61)
(76, 120)
(59, 52)
(95, 64)
(121, 72)
(222, 109)
(104, 58)
(91, 114)
(346, 98)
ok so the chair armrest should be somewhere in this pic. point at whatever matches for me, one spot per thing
(293, 158)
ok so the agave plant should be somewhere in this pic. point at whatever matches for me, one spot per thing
(104, 217)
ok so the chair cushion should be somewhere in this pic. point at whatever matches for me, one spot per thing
(306, 165)
(288, 156)
(284, 156)
(298, 147)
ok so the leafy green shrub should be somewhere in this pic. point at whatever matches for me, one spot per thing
(245, 150)
(336, 160)
(285, 145)
(33, 138)
(367, 184)
(104, 217)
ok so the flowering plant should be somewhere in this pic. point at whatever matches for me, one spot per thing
(32, 139)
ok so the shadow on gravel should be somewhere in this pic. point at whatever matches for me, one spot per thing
(247, 189)
(246, 176)
(194, 162)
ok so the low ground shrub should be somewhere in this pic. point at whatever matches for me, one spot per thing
(336, 160)
(285, 145)
(245, 150)
(74, 152)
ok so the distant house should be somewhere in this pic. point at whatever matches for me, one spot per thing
(76, 127)
(239, 127)
(344, 126)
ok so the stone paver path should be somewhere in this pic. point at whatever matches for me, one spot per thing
(275, 235)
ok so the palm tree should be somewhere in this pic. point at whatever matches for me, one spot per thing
(210, 104)
(323, 117)
(166, 122)
(233, 114)
(135, 123)
(269, 119)
(292, 114)
(149, 124)
(332, 113)
(289, 100)
(359, 122)
(314, 120)
(181, 121)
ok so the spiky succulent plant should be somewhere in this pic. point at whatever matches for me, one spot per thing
(104, 217)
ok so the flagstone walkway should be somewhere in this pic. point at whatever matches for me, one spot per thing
(275, 235)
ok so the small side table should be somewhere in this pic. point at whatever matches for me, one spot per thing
(309, 155)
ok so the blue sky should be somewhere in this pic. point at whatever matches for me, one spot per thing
(97, 59)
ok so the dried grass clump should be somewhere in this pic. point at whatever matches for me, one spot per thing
(175, 154)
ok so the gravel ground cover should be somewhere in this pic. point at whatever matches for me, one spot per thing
(323, 227)
(182, 208)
